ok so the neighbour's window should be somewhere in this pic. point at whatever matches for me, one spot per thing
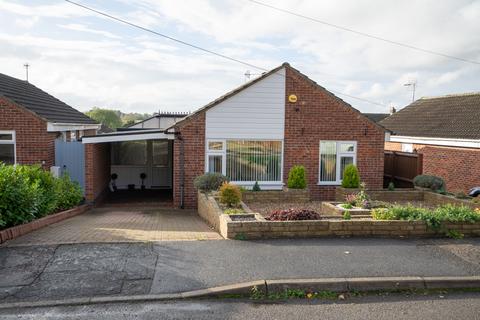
(246, 160)
(160, 152)
(335, 156)
(7, 147)
(129, 153)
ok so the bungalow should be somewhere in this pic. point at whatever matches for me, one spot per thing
(256, 132)
(446, 130)
(31, 121)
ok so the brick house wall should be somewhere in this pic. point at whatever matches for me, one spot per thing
(457, 166)
(33, 143)
(318, 115)
(97, 171)
(192, 132)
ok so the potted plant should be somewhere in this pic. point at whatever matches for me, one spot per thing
(143, 176)
(114, 177)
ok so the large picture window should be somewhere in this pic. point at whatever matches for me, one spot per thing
(334, 157)
(246, 160)
(129, 153)
(7, 147)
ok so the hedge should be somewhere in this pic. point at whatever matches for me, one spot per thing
(28, 193)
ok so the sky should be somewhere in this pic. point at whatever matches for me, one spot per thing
(87, 60)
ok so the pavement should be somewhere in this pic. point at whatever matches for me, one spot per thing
(386, 307)
(32, 273)
(122, 224)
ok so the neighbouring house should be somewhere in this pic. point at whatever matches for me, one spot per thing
(161, 120)
(376, 117)
(256, 132)
(446, 131)
(31, 121)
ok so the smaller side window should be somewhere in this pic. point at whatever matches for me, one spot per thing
(7, 147)
(215, 156)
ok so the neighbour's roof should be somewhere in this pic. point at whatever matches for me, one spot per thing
(451, 116)
(376, 117)
(177, 114)
(39, 102)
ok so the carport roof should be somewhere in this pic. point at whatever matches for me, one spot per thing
(130, 135)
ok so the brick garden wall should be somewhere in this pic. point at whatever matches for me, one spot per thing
(317, 115)
(193, 134)
(457, 166)
(97, 171)
(33, 143)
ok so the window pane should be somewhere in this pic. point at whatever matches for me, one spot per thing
(215, 145)
(347, 147)
(328, 161)
(129, 153)
(215, 164)
(160, 153)
(254, 160)
(7, 153)
(344, 161)
(6, 136)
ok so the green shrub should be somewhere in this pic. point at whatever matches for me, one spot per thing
(233, 211)
(209, 181)
(431, 182)
(69, 193)
(351, 178)
(461, 195)
(391, 186)
(433, 218)
(19, 196)
(28, 193)
(383, 214)
(346, 206)
(256, 187)
(230, 194)
(47, 197)
(347, 215)
(297, 178)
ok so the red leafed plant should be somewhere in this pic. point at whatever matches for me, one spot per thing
(292, 214)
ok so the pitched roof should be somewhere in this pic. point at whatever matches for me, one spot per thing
(376, 117)
(263, 76)
(452, 116)
(39, 102)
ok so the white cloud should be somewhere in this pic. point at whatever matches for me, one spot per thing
(122, 67)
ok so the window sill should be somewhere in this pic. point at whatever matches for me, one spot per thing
(326, 184)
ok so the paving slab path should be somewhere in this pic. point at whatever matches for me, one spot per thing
(29, 273)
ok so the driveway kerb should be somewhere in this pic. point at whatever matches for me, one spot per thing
(272, 286)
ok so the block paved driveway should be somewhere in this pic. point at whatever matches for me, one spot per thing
(122, 224)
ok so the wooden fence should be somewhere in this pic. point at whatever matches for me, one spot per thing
(401, 167)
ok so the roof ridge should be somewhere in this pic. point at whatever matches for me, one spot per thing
(452, 95)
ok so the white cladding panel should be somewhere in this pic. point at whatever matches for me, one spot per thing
(257, 112)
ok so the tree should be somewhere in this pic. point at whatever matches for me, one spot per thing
(109, 118)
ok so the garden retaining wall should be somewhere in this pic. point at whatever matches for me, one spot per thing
(286, 195)
(20, 230)
(332, 228)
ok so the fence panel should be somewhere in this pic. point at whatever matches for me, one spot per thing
(401, 167)
(70, 156)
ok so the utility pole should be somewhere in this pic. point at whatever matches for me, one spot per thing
(412, 84)
(26, 65)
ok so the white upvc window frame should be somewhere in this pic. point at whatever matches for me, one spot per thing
(339, 155)
(13, 141)
(269, 184)
(222, 153)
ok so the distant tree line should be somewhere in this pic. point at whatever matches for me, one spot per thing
(115, 118)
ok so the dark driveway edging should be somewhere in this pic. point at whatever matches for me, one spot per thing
(273, 286)
(20, 230)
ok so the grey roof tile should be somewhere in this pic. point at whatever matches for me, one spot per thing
(40, 102)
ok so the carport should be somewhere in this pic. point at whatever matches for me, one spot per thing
(134, 166)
